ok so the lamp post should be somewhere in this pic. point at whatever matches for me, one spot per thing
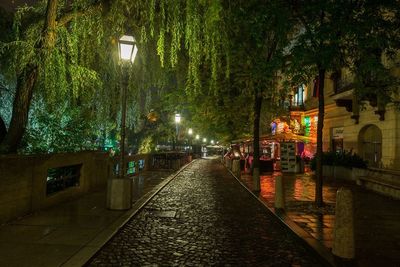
(127, 53)
(177, 121)
(190, 132)
(119, 189)
(204, 147)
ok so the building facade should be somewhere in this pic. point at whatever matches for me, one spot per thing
(364, 127)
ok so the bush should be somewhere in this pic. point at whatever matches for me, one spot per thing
(346, 159)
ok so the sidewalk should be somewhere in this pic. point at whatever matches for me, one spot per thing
(377, 218)
(70, 233)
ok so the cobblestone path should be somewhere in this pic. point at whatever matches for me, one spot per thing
(204, 218)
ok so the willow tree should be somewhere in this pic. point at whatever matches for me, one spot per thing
(44, 57)
(68, 53)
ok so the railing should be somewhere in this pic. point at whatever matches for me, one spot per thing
(169, 160)
(61, 178)
(134, 164)
(156, 161)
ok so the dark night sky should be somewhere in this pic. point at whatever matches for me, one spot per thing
(10, 5)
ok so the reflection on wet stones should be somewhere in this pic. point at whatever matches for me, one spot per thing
(204, 217)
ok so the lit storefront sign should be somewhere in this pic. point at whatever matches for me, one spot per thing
(310, 125)
(337, 133)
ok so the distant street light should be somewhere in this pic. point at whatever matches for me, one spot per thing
(177, 121)
(197, 137)
(190, 132)
(127, 53)
(204, 140)
(212, 142)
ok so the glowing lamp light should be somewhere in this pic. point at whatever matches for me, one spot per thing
(197, 137)
(204, 140)
(127, 48)
(212, 142)
(190, 131)
(177, 118)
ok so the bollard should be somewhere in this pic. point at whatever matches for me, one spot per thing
(343, 231)
(279, 193)
(236, 167)
(226, 162)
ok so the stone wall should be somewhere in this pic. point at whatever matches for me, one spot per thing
(23, 180)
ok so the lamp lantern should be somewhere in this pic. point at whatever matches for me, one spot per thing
(177, 118)
(127, 48)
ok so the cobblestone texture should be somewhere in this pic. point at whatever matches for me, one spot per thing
(204, 218)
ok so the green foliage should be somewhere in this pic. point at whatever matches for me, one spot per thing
(147, 146)
(67, 129)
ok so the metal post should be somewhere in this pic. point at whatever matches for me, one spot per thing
(122, 169)
(176, 135)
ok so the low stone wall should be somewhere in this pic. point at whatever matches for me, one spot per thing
(385, 182)
(382, 181)
(23, 180)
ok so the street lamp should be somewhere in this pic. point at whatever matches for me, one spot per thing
(190, 132)
(119, 189)
(127, 49)
(197, 137)
(177, 121)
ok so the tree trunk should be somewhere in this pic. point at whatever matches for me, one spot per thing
(256, 140)
(26, 81)
(22, 100)
(3, 129)
(321, 112)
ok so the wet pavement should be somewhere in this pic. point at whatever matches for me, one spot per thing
(376, 218)
(204, 217)
(71, 232)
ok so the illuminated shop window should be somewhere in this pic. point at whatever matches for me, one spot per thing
(299, 96)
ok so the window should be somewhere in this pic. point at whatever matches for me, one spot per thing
(299, 96)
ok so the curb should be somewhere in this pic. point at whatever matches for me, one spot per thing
(86, 252)
(314, 245)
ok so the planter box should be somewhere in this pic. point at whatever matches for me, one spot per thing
(342, 173)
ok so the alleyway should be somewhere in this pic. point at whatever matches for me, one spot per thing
(204, 217)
